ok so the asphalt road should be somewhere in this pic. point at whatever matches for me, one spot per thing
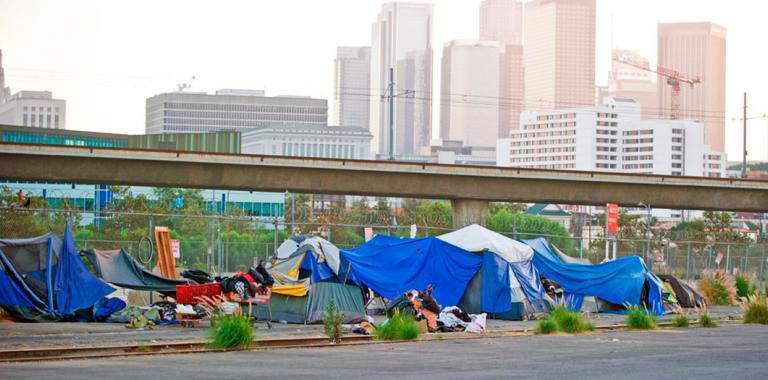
(728, 352)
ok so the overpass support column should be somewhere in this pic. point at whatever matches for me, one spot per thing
(468, 211)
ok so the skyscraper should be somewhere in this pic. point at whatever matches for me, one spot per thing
(469, 104)
(696, 50)
(625, 81)
(5, 92)
(559, 43)
(502, 21)
(402, 40)
(352, 77)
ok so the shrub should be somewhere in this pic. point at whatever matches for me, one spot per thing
(756, 310)
(398, 327)
(745, 285)
(332, 320)
(718, 287)
(706, 321)
(640, 320)
(232, 331)
(545, 326)
(681, 321)
(569, 321)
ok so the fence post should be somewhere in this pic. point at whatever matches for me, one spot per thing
(688, 264)
(728, 258)
(762, 267)
(745, 267)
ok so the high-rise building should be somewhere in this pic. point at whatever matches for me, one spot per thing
(352, 76)
(612, 138)
(402, 40)
(229, 110)
(502, 21)
(34, 109)
(5, 92)
(626, 81)
(469, 104)
(696, 50)
(559, 43)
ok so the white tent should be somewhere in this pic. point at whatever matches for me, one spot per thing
(475, 238)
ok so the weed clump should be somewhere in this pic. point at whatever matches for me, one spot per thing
(232, 332)
(566, 321)
(681, 321)
(718, 287)
(332, 320)
(706, 321)
(745, 285)
(756, 310)
(398, 327)
(640, 320)
(545, 326)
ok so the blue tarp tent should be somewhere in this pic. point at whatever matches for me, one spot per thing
(391, 266)
(620, 281)
(43, 278)
(508, 285)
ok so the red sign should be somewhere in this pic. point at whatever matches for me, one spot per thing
(612, 218)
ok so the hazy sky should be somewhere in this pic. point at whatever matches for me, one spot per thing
(107, 57)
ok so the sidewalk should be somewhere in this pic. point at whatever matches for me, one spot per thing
(15, 335)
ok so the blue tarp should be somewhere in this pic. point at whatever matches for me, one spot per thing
(10, 294)
(529, 280)
(495, 295)
(392, 266)
(320, 271)
(619, 281)
(75, 286)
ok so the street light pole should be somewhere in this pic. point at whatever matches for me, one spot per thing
(647, 229)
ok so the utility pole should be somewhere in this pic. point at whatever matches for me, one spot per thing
(744, 156)
(391, 96)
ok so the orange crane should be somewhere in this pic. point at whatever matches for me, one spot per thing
(674, 78)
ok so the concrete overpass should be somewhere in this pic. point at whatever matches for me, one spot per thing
(468, 187)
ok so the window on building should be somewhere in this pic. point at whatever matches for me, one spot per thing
(25, 118)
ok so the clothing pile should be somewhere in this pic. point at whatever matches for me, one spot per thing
(451, 319)
(245, 285)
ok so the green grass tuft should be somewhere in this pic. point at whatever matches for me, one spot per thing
(640, 320)
(756, 311)
(569, 321)
(706, 321)
(744, 288)
(681, 321)
(232, 332)
(545, 326)
(398, 327)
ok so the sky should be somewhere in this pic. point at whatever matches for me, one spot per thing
(106, 57)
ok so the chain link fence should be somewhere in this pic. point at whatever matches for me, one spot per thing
(229, 243)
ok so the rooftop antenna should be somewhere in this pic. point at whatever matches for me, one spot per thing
(186, 85)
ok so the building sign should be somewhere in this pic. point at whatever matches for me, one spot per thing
(175, 249)
(612, 218)
(368, 233)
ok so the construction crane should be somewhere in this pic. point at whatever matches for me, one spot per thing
(674, 78)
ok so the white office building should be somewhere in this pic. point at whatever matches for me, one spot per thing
(34, 109)
(352, 77)
(308, 141)
(230, 110)
(610, 138)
